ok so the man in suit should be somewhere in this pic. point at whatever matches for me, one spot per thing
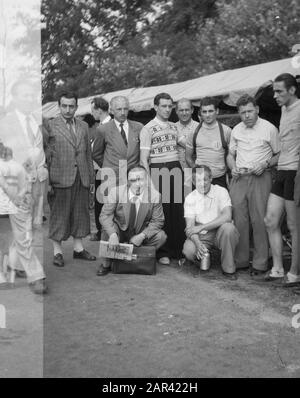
(20, 131)
(134, 214)
(71, 177)
(117, 140)
(99, 109)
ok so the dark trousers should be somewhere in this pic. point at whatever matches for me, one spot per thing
(221, 181)
(97, 209)
(174, 215)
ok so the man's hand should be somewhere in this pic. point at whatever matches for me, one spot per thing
(201, 250)
(137, 240)
(235, 172)
(259, 169)
(113, 242)
(196, 229)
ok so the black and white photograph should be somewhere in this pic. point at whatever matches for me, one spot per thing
(149, 192)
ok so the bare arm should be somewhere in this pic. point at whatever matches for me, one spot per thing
(201, 249)
(189, 157)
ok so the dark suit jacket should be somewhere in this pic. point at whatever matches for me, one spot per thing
(109, 146)
(115, 213)
(297, 186)
(63, 154)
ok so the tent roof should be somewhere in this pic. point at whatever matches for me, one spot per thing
(230, 84)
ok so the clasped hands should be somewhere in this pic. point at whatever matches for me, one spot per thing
(256, 170)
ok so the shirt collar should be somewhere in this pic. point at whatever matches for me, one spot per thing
(157, 120)
(209, 193)
(66, 121)
(125, 124)
(131, 195)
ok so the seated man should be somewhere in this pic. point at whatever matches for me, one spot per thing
(134, 214)
(208, 215)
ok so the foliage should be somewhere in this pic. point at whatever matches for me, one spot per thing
(95, 46)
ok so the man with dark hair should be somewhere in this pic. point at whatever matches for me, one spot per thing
(254, 148)
(209, 142)
(99, 109)
(208, 217)
(159, 153)
(71, 178)
(282, 194)
(133, 214)
(185, 126)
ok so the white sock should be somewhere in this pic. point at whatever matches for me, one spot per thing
(57, 247)
(78, 247)
(293, 277)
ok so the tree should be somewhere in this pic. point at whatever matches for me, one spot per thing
(247, 33)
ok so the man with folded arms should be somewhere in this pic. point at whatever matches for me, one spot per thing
(208, 216)
(133, 214)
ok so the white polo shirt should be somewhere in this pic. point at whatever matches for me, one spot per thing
(254, 145)
(205, 208)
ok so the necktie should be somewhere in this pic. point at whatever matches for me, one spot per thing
(123, 134)
(30, 133)
(69, 124)
(132, 217)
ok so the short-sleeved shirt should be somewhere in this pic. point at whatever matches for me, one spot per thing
(254, 145)
(289, 136)
(184, 131)
(209, 149)
(205, 208)
(161, 138)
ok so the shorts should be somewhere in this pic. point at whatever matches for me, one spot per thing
(283, 185)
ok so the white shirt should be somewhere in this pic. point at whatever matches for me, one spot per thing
(125, 127)
(206, 208)
(254, 145)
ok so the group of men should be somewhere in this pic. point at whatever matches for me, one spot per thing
(167, 184)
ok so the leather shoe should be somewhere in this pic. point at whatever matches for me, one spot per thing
(84, 255)
(58, 260)
(38, 287)
(229, 276)
(20, 274)
(102, 271)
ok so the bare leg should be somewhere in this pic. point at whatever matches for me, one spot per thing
(275, 209)
(291, 222)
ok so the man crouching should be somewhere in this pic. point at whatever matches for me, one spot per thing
(134, 214)
(208, 216)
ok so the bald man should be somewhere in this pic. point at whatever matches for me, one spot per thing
(117, 141)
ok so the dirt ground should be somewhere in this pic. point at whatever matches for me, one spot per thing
(169, 325)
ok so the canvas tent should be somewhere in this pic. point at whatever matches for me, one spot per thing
(229, 84)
